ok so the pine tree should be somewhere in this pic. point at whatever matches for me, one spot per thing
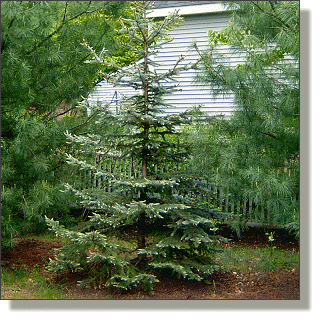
(256, 151)
(157, 226)
(42, 57)
(42, 78)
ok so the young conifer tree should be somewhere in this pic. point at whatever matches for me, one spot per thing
(155, 221)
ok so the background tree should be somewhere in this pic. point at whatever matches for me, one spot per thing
(255, 153)
(43, 76)
(42, 56)
(142, 226)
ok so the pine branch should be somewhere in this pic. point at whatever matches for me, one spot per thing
(269, 134)
(46, 116)
(83, 123)
(275, 18)
(63, 23)
(3, 44)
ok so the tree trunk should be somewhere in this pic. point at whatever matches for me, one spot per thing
(143, 196)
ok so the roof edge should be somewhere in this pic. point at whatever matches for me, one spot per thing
(188, 10)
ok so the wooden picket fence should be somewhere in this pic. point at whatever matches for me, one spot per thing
(202, 191)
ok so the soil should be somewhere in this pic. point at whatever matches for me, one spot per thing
(279, 284)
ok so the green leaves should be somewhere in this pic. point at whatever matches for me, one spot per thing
(217, 37)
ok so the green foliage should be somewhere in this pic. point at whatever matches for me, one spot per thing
(10, 198)
(144, 210)
(42, 79)
(216, 37)
(30, 177)
(255, 154)
(102, 260)
(42, 57)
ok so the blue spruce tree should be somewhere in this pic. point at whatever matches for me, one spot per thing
(147, 224)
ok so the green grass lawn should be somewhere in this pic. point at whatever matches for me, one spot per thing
(20, 283)
(263, 259)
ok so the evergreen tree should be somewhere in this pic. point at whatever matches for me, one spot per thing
(157, 226)
(42, 78)
(256, 151)
(42, 57)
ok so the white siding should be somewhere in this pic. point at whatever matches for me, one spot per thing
(194, 28)
(107, 94)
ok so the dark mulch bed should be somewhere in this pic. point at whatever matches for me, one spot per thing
(280, 284)
(256, 236)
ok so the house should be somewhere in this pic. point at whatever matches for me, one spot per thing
(199, 18)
